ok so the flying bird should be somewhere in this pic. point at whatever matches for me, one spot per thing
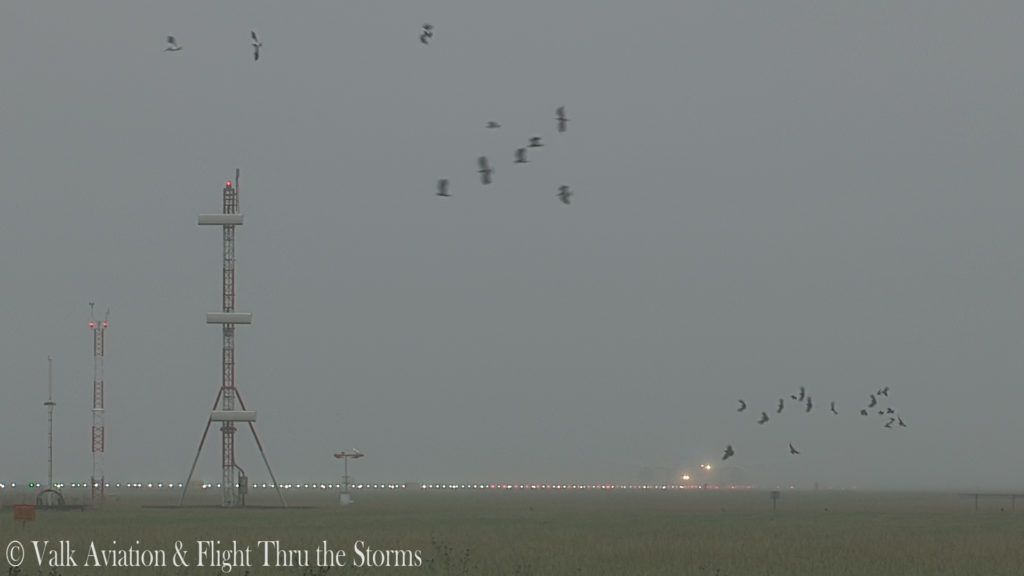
(493, 124)
(779, 409)
(884, 391)
(728, 452)
(873, 401)
(764, 418)
(172, 45)
(428, 33)
(863, 411)
(562, 120)
(564, 194)
(808, 404)
(521, 156)
(442, 188)
(799, 398)
(900, 420)
(889, 423)
(743, 406)
(485, 170)
(832, 407)
(890, 410)
(535, 142)
(256, 45)
(793, 450)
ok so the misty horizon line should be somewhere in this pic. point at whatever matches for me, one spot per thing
(455, 486)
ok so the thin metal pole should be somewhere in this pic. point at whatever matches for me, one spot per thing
(49, 408)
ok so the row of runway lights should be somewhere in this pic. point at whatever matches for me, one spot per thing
(159, 485)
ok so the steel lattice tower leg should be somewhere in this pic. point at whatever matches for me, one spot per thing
(98, 481)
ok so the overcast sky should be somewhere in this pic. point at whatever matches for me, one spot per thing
(767, 195)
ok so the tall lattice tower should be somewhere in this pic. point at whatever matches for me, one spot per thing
(232, 492)
(99, 330)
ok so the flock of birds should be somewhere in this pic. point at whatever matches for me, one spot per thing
(484, 166)
(802, 398)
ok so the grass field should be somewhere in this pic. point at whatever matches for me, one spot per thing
(547, 532)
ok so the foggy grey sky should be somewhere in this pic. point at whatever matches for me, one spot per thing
(768, 195)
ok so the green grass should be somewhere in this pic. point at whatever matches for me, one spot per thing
(588, 533)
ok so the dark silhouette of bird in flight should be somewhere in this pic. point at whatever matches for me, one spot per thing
(535, 142)
(779, 409)
(743, 406)
(442, 188)
(883, 391)
(493, 124)
(799, 398)
(485, 170)
(809, 405)
(562, 120)
(890, 422)
(873, 401)
(900, 420)
(521, 156)
(764, 418)
(564, 194)
(728, 452)
(172, 45)
(889, 410)
(793, 450)
(881, 412)
(863, 411)
(428, 33)
(256, 45)
(832, 407)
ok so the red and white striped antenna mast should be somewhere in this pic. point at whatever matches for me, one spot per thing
(233, 493)
(98, 482)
